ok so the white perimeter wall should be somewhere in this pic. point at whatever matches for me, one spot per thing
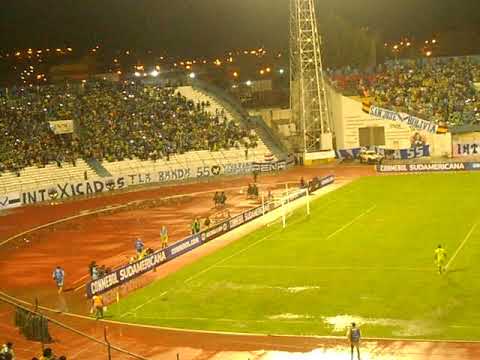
(348, 117)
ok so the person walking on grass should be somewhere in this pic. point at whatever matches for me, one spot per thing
(440, 258)
(353, 336)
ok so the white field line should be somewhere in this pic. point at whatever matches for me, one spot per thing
(325, 268)
(462, 245)
(110, 208)
(247, 335)
(351, 222)
(134, 311)
(262, 240)
(231, 256)
(296, 205)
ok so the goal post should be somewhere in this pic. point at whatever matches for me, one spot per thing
(285, 205)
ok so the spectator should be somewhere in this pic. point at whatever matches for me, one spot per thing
(223, 199)
(302, 183)
(196, 226)
(440, 90)
(98, 306)
(139, 246)
(207, 222)
(216, 198)
(7, 349)
(164, 236)
(47, 354)
(114, 121)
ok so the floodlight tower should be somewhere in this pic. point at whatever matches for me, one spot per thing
(308, 100)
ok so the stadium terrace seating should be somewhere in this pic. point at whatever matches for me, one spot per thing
(198, 96)
(193, 159)
(32, 177)
(443, 90)
(124, 128)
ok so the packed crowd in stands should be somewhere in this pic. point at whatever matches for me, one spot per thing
(113, 122)
(440, 90)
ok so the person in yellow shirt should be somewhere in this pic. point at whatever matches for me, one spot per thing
(440, 258)
(164, 236)
(98, 306)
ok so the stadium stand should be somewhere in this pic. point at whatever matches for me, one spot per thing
(119, 128)
(32, 176)
(441, 90)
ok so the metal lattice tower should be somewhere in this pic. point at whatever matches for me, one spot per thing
(308, 98)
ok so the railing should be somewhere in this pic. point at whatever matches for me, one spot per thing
(45, 331)
(227, 101)
(272, 134)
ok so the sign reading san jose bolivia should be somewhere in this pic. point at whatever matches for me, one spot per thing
(409, 120)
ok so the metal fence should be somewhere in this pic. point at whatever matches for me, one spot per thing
(32, 331)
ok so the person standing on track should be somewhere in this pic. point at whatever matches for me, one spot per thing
(7, 349)
(440, 258)
(59, 277)
(98, 306)
(139, 246)
(353, 336)
(164, 236)
(196, 226)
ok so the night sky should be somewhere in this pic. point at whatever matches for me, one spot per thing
(204, 27)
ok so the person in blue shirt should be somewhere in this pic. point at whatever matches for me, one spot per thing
(354, 335)
(59, 277)
(139, 246)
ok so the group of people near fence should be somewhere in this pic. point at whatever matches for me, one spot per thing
(252, 191)
(98, 271)
(219, 199)
(7, 353)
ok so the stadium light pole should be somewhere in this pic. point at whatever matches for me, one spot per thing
(308, 99)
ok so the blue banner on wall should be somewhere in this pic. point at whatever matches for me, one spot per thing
(390, 154)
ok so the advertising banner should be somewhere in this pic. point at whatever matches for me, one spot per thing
(466, 148)
(62, 191)
(131, 271)
(10, 201)
(62, 126)
(409, 120)
(435, 167)
(186, 173)
(390, 154)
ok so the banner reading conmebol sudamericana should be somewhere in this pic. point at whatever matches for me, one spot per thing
(433, 167)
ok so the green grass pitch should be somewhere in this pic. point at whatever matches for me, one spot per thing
(365, 254)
